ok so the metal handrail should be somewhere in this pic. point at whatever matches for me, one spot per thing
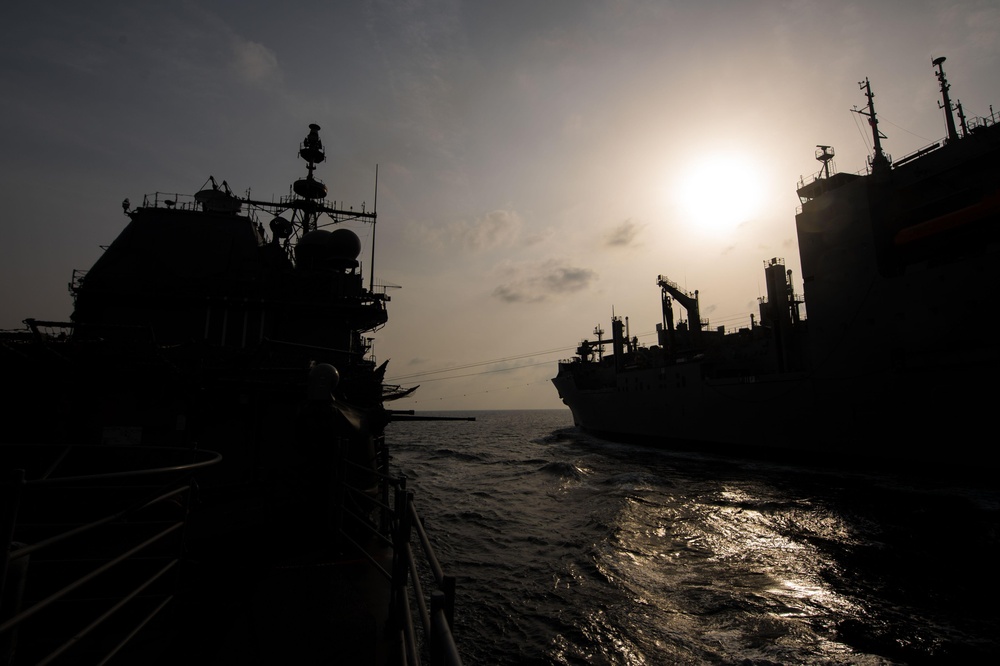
(443, 647)
(428, 549)
(21, 495)
(87, 527)
(438, 622)
(86, 578)
(397, 520)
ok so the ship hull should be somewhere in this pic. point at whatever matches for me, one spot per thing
(900, 417)
(885, 379)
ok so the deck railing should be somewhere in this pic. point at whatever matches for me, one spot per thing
(396, 518)
(89, 559)
(101, 550)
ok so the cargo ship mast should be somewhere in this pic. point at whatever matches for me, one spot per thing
(946, 99)
(879, 161)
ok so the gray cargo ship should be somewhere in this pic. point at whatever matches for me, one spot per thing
(890, 361)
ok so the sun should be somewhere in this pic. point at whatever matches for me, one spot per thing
(718, 192)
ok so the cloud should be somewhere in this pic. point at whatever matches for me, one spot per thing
(254, 63)
(499, 228)
(422, 50)
(624, 234)
(536, 283)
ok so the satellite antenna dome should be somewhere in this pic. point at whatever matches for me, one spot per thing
(315, 238)
(322, 249)
(345, 243)
(312, 249)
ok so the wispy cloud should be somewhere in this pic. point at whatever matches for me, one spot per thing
(624, 234)
(534, 283)
(423, 54)
(254, 63)
(496, 229)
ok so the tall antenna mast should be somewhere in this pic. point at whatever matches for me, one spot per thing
(371, 265)
(879, 160)
(946, 103)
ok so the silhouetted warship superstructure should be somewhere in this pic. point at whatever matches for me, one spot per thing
(898, 265)
(216, 371)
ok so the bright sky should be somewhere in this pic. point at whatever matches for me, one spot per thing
(540, 162)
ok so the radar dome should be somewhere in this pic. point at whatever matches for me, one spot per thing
(345, 243)
(325, 249)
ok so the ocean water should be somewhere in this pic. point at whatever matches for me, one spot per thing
(573, 550)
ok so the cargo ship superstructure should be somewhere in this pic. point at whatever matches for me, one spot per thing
(898, 264)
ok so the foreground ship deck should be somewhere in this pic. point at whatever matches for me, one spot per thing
(197, 468)
(118, 557)
(886, 364)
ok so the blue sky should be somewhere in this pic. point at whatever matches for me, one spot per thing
(540, 163)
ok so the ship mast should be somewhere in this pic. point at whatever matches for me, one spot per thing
(946, 103)
(371, 267)
(309, 188)
(879, 161)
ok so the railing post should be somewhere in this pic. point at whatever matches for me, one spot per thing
(10, 494)
(438, 622)
(444, 651)
(400, 563)
(448, 588)
(186, 502)
(340, 487)
(383, 468)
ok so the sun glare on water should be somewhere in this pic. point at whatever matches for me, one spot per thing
(718, 192)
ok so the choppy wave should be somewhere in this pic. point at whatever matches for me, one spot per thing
(565, 470)
(575, 551)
